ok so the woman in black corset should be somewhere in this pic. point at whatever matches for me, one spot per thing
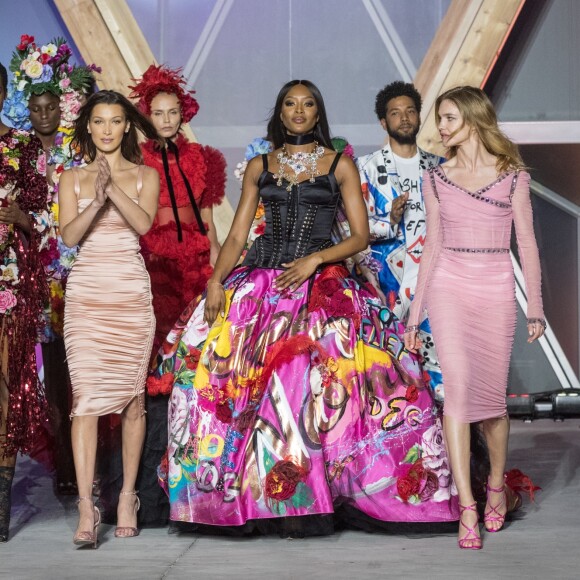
(298, 396)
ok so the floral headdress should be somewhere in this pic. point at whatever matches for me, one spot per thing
(41, 69)
(162, 79)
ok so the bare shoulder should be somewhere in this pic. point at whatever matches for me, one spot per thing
(255, 167)
(67, 176)
(345, 167)
(149, 173)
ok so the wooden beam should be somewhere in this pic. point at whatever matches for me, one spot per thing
(106, 33)
(463, 52)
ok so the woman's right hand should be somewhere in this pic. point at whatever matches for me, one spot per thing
(215, 302)
(412, 340)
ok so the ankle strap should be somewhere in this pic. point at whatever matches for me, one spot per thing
(134, 492)
(81, 497)
(469, 507)
(495, 489)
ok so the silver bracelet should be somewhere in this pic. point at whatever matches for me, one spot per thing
(412, 328)
(538, 321)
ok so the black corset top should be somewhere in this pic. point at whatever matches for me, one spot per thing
(298, 222)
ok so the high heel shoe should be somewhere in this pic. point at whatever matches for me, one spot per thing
(89, 538)
(472, 535)
(126, 531)
(493, 515)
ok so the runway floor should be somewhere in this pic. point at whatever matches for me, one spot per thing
(542, 543)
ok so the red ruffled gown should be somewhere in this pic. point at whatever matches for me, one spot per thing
(180, 270)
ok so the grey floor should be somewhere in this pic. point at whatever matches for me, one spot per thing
(543, 542)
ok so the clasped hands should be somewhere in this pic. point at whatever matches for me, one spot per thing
(103, 182)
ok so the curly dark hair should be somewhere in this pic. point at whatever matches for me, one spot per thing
(3, 76)
(277, 131)
(392, 91)
(137, 122)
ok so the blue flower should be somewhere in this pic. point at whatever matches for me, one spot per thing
(258, 146)
(47, 74)
(16, 109)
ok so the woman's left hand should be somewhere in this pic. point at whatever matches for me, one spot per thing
(298, 271)
(535, 331)
(12, 214)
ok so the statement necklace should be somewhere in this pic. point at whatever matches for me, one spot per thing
(299, 162)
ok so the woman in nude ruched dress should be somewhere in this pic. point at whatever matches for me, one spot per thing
(109, 323)
(466, 282)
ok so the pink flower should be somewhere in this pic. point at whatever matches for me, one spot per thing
(41, 164)
(7, 300)
(4, 232)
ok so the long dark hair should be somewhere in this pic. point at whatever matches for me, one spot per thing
(137, 121)
(276, 129)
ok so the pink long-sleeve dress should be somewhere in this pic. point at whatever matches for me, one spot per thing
(466, 282)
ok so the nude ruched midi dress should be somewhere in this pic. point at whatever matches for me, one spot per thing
(466, 282)
(109, 322)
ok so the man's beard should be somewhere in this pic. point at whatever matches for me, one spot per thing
(404, 138)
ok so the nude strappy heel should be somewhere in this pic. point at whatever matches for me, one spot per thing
(88, 538)
(126, 531)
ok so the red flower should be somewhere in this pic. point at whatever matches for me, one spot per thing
(246, 419)
(407, 486)
(161, 385)
(282, 480)
(411, 484)
(412, 394)
(429, 485)
(223, 412)
(44, 58)
(192, 359)
(25, 40)
(260, 229)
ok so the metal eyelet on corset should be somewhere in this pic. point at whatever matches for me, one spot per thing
(305, 231)
(276, 235)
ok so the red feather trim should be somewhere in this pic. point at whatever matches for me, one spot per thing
(520, 483)
(283, 353)
(215, 177)
(162, 79)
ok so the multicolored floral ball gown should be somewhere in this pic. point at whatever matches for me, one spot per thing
(294, 402)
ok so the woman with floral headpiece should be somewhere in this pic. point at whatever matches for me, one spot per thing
(23, 219)
(45, 95)
(181, 246)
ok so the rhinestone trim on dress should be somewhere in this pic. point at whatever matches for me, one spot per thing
(477, 194)
(480, 250)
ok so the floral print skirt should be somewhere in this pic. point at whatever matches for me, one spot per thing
(295, 402)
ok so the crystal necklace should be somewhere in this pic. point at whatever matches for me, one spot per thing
(299, 163)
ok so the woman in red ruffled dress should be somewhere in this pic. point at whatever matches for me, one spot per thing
(181, 247)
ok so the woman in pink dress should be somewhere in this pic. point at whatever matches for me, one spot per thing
(466, 282)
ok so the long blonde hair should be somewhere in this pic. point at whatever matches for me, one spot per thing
(478, 112)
